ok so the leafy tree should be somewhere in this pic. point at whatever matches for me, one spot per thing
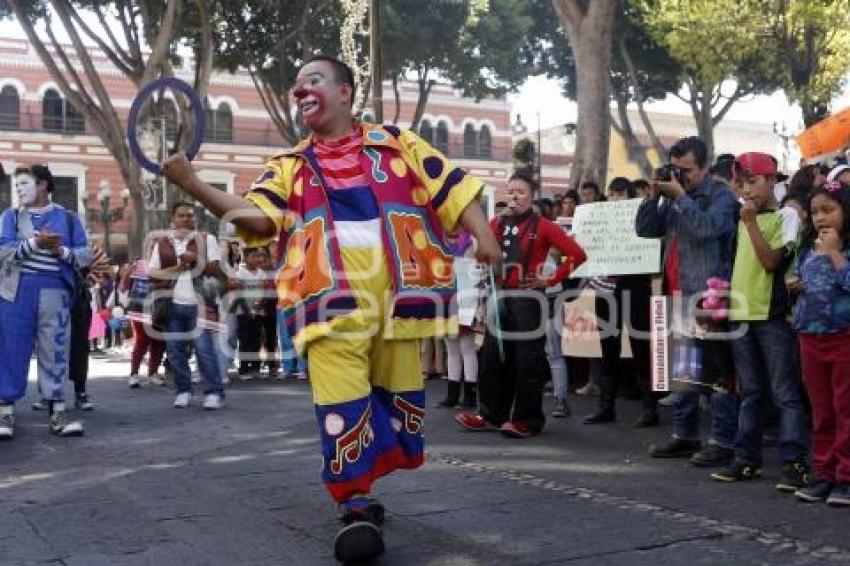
(471, 43)
(272, 39)
(141, 49)
(526, 157)
(720, 45)
(812, 40)
(642, 71)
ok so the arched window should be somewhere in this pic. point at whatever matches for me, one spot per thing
(209, 122)
(224, 123)
(426, 132)
(52, 111)
(441, 140)
(485, 144)
(75, 122)
(59, 115)
(10, 108)
(219, 123)
(470, 141)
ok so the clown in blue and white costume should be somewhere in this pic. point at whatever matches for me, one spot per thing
(42, 246)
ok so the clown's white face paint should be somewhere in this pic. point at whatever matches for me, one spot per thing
(26, 189)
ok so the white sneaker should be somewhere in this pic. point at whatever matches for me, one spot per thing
(212, 401)
(7, 422)
(181, 401)
(301, 375)
(589, 389)
(156, 380)
(60, 425)
(134, 382)
(668, 401)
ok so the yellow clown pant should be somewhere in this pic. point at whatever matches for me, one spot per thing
(367, 390)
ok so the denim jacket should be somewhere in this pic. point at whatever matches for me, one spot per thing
(704, 222)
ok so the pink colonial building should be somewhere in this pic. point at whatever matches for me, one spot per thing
(37, 125)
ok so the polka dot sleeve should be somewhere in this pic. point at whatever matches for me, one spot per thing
(269, 193)
(450, 189)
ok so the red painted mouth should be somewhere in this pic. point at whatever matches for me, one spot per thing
(312, 106)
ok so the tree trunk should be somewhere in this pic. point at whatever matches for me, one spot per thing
(589, 28)
(425, 86)
(701, 109)
(635, 150)
(397, 98)
(141, 222)
(813, 112)
(705, 124)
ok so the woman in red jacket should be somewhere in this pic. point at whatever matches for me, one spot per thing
(510, 390)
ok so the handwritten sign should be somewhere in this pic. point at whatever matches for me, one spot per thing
(606, 231)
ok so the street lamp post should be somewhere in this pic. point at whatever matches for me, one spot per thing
(536, 165)
(784, 134)
(105, 214)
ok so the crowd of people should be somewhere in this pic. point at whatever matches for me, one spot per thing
(757, 273)
(342, 266)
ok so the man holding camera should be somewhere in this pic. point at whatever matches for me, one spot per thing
(696, 215)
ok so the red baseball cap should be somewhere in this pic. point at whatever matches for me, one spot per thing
(757, 163)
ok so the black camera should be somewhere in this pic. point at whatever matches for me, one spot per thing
(668, 172)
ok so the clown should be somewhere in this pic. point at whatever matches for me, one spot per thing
(361, 211)
(42, 245)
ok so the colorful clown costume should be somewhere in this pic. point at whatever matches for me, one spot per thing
(365, 275)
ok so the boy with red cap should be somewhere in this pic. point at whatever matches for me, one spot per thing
(764, 349)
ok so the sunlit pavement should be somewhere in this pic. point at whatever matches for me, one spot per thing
(149, 484)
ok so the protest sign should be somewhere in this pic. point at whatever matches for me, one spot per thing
(606, 231)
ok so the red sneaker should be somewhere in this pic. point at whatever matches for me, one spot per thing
(515, 429)
(473, 421)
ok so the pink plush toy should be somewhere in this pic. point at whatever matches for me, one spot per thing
(714, 299)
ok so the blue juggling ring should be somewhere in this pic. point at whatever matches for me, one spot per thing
(197, 112)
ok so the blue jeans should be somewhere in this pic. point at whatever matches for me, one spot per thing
(291, 361)
(226, 343)
(724, 417)
(555, 355)
(183, 319)
(766, 364)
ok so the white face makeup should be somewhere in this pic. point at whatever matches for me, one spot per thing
(26, 189)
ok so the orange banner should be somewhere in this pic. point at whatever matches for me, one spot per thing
(828, 135)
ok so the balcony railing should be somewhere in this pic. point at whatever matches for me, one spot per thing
(28, 122)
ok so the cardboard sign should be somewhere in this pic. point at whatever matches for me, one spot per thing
(606, 231)
(580, 335)
(828, 135)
